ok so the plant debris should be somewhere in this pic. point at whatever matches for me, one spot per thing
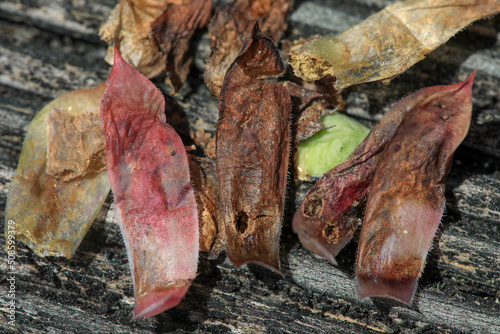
(173, 31)
(59, 186)
(76, 146)
(206, 189)
(387, 43)
(253, 143)
(406, 200)
(155, 35)
(401, 165)
(149, 175)
(128, 28)
(231, 25)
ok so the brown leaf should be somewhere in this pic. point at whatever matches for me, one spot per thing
(76, 145)
(253, 140)
(229, 27)
(406, 200)
(129, 29)
(173, 31)
(327, 218)
(206, 189)
(309, 103)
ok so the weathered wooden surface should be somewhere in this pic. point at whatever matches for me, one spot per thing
(51, 47)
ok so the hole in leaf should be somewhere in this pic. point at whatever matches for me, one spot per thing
(313, 207)
(241, 222)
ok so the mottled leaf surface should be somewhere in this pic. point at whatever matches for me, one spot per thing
(53, 211)
(149, 176)
(253, 144)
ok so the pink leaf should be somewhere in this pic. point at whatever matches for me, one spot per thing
(406, 199)
(149, 176)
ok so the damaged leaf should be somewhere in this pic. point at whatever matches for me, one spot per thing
(149, 175)
(206, 189)
(173, 31)
(327, 218)
(76, 145)
(310, 102)
(230, 26)
(406, 199)
(253, 143)
(128, 28)
(59, 186)
(389, 42)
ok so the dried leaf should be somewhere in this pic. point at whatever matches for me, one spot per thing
(327, 218)
(173, 32)
(406, 199)
(206, 189)
(54, 213)
(149, 175)
(253, 140)
(204, 141)
(76, 145)
(230, 26)
(310, 102)
(389, 42)
(129, 29)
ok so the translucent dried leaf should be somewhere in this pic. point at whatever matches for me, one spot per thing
(406, 200)
(389, 42)
(53, 214)
(173, 31)
(231, 25)
(149, 175)
(253, 143)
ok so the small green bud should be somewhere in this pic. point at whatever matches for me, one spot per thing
(330, 147)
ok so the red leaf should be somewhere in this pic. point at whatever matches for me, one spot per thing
(149, 176)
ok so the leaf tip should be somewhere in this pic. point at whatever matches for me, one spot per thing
(159, 301)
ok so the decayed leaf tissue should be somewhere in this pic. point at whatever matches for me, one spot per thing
(389, 42)
(60, 184)
(253, 146)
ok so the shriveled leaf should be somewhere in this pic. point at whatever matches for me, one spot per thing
(129, 29)
(389, 42)
(406, 199)
(310, 102)
(253, 143)
(231, 25)
(328, 216)
(149, 175)
(56, 192)
(173, 31)
(206, 189)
